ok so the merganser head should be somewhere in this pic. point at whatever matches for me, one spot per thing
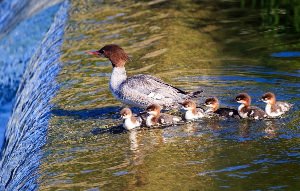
(212, 103)
(243, 98)
(153, 109)
(126, 113)
(114, 53)
(269, 97)
(189, 105)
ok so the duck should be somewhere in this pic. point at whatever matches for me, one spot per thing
(213, 105)
(191, 111)
(274, 108)
(245, 110)
(139, 90)
(129, 121)
(156, 118)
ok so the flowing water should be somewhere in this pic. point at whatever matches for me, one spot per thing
(222, 47)
(17, 46)
(27, 127)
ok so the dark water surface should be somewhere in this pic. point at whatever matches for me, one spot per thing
(222, 47)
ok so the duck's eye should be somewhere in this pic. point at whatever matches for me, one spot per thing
(101, 51)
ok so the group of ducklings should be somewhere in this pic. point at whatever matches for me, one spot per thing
(192, 112)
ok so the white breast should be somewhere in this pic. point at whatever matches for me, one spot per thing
(242, 114)
(190, 116)
(128, 124)
(148, 121)
(276, 113)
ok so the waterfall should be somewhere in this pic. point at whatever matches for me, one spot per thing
(27, 128)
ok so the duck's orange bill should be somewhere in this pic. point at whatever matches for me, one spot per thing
(92, 52)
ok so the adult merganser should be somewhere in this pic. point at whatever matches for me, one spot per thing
(192, 112)
(247, 111)
(129, 121)
(139, 90)
(157, 118)
(213, 105)
(274, 108)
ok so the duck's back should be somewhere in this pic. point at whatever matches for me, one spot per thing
(143, 90)
(256, 112)
(168, 119)
(227, 112)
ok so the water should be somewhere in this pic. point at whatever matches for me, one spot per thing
(222, 47)
(17, 47)
(27, 128)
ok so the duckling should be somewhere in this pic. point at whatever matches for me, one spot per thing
(275, 108)
(191, 112)
(213, 105)
(129, 121)
(247, 111)
(155, 117)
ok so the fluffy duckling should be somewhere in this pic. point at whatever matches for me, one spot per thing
(129, 121)
(246, 110)
(274, 108)
(213, 105)
(157, 118)
(191, 112)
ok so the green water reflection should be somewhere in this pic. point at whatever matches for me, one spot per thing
(222, 47)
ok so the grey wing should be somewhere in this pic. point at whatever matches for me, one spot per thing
(165, 118)
(283, 106)
(151, 89)
(256, 111)
(200, 110)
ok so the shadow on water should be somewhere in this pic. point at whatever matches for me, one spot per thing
(96, 113)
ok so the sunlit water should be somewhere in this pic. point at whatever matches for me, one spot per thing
(221, 47)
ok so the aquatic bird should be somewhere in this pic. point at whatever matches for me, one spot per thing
(155, 117)
(213, 105)
(247, 111)
(139, 90)
(191, 110)
(129, 121)
(274, 108)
